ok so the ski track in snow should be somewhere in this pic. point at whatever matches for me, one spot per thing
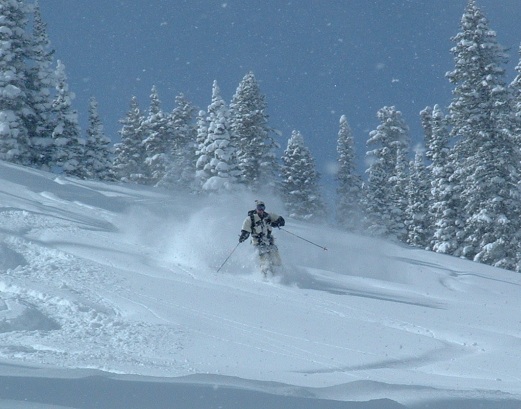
(78, 309)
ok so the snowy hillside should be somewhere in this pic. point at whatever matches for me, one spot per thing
(109, 298)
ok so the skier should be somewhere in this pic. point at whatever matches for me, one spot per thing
(259, 224)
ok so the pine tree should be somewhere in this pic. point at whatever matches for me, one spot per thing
(426, 117)
(249, 126)
(389, 143)
(399, 182)
(349, 183)
(488, 161)
(41, 81)
(15, 112)
(299, 185)
(426, 122)
(202, 158)
(180, 174)
(158, 140)
(98, 147)
(221, 172)
(417, 218)
(129, 154)
(68, 147)
(515, 88)
(444, 202)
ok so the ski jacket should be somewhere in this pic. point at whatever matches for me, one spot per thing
(260, 228)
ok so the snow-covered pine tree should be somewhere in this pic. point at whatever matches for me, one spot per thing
(300, 181)
(15, 112)
(515, 89)
(417, 218)
(129, 154)
(426, 122)
(158, 140)
(202, 158)
(68, 147)
(427, 125)
(349, 188)
(387, 147)
(487, 158)
(98, 147)
(221, 170)
(180, 174)
(399, 183)
(256, 156)
(443, 203)
(40, 82)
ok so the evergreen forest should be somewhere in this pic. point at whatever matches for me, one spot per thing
(458, 194)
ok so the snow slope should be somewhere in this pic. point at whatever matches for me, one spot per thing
(109, 298)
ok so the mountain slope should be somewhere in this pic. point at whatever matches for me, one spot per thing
(123, 279)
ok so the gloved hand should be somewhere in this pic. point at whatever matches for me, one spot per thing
(244, 235)
(279, 222)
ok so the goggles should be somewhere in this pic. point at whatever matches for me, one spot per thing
(261, 207)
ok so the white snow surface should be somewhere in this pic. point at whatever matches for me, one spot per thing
(110, 298)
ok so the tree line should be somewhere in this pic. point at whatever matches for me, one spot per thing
(227, 146)
(459, 195)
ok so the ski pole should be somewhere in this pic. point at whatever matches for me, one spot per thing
(229, 255)
(302, 238)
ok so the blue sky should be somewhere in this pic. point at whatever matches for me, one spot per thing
(315, 59)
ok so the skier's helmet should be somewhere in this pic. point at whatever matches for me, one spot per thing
(260, 205)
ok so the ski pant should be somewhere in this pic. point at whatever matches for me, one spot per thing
(268, 255)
